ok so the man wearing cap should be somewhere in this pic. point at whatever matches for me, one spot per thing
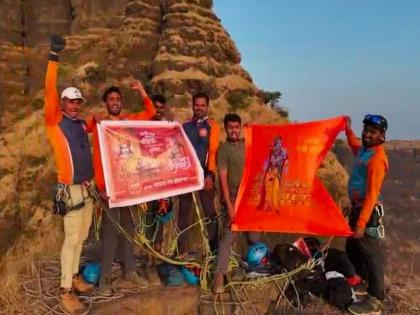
(365, 184)
(68, 136)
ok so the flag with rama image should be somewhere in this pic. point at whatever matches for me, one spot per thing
(147, 160)
(280, 191)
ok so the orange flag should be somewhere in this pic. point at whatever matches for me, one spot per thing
(279, 191)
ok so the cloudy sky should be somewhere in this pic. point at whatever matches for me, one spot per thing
(333, 57)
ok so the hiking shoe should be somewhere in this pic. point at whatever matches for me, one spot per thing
(105, 287)
(218, 283)
(70, 303)
(152, 276)
(372, 306)
(136, 280)
(81, 286)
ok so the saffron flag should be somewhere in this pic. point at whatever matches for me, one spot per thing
(145, 160)
(279, 191)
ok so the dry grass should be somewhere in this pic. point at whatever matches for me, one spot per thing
(37, 231)
(18, 264)
(189, 74)
(12, 301)
(234, 82)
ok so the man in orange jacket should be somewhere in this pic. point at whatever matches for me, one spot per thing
(365, 185)
(110, 235)
(203, 133)
(67, 133)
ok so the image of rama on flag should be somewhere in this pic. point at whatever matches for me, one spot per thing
(279, 191)
(145, 160)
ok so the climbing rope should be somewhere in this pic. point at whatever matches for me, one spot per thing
(141, 240)
(44, 286)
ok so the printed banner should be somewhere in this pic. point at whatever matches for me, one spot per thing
(145, 160)
(279, 191)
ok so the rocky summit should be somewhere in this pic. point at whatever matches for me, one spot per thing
(176, 47)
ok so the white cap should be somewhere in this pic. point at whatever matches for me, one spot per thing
(72, 94)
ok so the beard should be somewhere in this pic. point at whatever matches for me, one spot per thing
(114, 110)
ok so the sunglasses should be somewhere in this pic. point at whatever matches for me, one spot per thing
(377, 121)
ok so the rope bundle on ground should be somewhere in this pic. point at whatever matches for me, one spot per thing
(44, 286)
(208, 263)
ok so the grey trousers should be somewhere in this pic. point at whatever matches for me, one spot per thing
(111, 239)
(184, 215)
(226, 243)
(366, 255)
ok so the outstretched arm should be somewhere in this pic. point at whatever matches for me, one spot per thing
(352, 140)
(149, 108)
(52, 113)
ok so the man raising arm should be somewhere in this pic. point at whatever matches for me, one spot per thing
(365, 184)
(69, 140)
(110, 236)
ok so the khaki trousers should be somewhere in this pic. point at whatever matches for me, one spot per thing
(76, 231)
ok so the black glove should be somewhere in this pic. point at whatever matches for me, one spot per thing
(57, 44)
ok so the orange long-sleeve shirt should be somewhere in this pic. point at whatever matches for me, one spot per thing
(214, 142)
(367, 177)
(147, 114)
(67, 136)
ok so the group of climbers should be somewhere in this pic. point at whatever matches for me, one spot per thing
(77, 172)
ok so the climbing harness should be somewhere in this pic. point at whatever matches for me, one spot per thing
(377, 229)
(70, 197)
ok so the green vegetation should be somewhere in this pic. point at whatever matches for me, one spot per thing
(272, 99)
(238, 99)
(37, 103)
(63, 70)
(95, 75)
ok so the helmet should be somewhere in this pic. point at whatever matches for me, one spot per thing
(91, 272)
(377, 121)
(257, 254)
(163, 209)
(191, 274)
(170, 275)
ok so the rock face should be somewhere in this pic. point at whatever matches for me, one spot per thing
(176, 47)
(196, 53)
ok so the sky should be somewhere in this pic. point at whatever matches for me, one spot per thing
(333, 57)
